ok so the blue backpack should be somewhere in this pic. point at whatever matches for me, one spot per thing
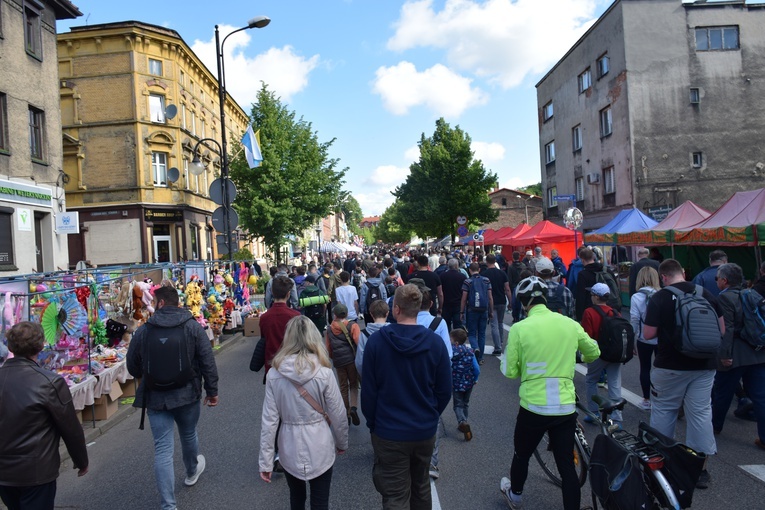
(478, 294)
(753, 305)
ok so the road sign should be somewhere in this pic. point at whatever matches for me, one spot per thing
(461, 220)
(217, 190)
(482, 231)
(218, 219)
(477, 237)
(564, 197)
(462, 231)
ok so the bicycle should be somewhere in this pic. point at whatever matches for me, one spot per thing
(651, 461)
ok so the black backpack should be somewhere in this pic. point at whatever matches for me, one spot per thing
(556, 303)
(614, 294)
(373, 293)
(166, 359)
(315, 311)
(616, 339)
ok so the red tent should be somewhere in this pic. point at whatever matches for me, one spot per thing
(684, 216)
(496, 234)
(735, 223)
(506, 239)
(549, 236)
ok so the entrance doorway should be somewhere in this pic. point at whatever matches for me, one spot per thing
(162, 249)
(39, 242)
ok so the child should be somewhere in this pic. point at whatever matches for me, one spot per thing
(342, 342)
(346, 294)
(465, 373)
(379, 312)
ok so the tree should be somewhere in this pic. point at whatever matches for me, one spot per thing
(445, 183)
(370, 235)
(532, 189)
(296, 184)
(390, 228)
(351, 210)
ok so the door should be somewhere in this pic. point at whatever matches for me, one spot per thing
(162, 249)
(39, 242)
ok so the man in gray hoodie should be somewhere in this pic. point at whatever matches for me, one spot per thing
(292, 302)
(379, 311)
(374, 281)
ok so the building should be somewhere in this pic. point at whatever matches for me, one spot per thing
(31, 196)
(659, 102)
(369, 222)
(127, 158)
(514, 207)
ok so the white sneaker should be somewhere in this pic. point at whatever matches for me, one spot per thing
(645, 405)
(504, 487)
(433, 472)
(191, 480)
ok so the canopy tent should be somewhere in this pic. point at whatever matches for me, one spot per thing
(546, 235)
(686, 215)
(497, 234)
(330, 247)
(740, 221)
(626, 222)
(507, 238)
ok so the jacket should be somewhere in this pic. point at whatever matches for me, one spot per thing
(733, 346)
(638, 305)
(541, 350)
(37, 412)
(202, 361)
(587, 277)
(273, 324)
(338, 346)
(268, 298)
(364, 290)
(370, 329)
(406, 382)
(306, 442)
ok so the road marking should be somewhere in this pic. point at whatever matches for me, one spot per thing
(434, 495)
(758, 471)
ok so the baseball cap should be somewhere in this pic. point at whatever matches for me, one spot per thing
(545, 265)
(420, 283)
(599, 289)
(529, 253)
(340, 310)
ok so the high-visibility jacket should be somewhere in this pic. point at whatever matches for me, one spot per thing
(541, 350)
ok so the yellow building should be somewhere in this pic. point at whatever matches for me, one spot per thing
(126, 160)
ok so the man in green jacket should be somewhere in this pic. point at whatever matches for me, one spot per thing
(541, 350)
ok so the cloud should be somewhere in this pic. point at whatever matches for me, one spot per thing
(488, 152)
(445, 92)
(374, 204)
(382, 181)
(284, 71)
(516, 182)
(500, 40)
(412, 153)
(387, 175)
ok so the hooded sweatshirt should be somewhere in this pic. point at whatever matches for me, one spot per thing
(370, 329)
(587, 277)
(406, 382)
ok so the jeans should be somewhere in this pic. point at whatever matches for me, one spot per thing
(614, 373)
(162, 428)
(461, 403)
(645, 353)
(319, 491)
(440, 432)
(400, 472)
(476, 327)
(349, 383)
(725, 386)
(691, 389)
(516, 308)
(529, 430)
(37, 497)
(497, 329)
(452, 318)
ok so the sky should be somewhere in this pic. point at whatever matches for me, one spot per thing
(375, 75)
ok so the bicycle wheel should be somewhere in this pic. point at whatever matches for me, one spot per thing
(546, 459)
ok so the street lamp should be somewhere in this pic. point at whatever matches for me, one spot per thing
(256, 22)
(525, 205)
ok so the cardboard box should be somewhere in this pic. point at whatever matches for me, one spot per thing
(252, 326)
(115, 392)
(103, 409)
(79, 417)
(129, 387)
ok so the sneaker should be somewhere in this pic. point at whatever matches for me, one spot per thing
(481, 361)
(704, 480)
(645, 405)
(497, 352)
(477, 353)
(602, 384)
(433, 472)
(464, 427)
(191, 480)
(504, 487)
(589, 419)
(355, 416)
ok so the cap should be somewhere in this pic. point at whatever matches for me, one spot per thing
(420, 283)
(600, 289)
(529, 253)
(340, 310)
(310, 278)
(545, 265)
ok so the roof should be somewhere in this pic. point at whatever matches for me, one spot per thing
(544, 232)
(64, 9)
(517, 192)
(684, 216)
(628, 220)
(743, 209)
(370, 219)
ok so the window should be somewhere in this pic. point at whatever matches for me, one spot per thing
(36, 133)
(6, 235)
(183, 116)
(697, 159)
(606, 126)
(159, 167)
(3, 124)
(585, 80)
(155, 67)
(695, 95)
(550, 152)
(32, 30)
(504, 202)
(608, 181)
(551, 194)
(157, 108)
(193, 123)
(202, 96)
(201, 127)
(717, 39)
(576, 137)
(186, 174)
(579, 185)
(191, 86)
(182, 78)
(547, 111)
(603, 65)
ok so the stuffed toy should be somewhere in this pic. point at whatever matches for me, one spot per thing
(194, 298)
(137, 302)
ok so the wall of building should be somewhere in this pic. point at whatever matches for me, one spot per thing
(512, 210)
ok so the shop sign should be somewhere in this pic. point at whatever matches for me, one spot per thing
(24, 217)
(163, 215)
(68, 222)
(12, 191)
(660, 213)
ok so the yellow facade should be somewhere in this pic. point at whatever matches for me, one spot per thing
(117, 81)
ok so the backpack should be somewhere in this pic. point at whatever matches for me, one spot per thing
(556, 303)
(616, 339)
(390, 288)
(166, 361)
(313, 308)
(356, 281)
(478, 294)
(697, 330)
(373, 294)
(753, 305)
(614, 294)
(463, 377)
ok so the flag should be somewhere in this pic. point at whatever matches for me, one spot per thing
(251, 144)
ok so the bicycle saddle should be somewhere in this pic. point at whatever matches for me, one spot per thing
(608, 405)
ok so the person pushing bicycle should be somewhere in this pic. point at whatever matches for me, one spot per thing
(541, 350)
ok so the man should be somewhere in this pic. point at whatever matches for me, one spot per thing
(350, 263)
(406, 384)
(574, 269)
(36, 412)
(587, 277)
(541, 350)
(433, 260)
(534, 259)
(442, 267)
(281, 270)
(706, 278)
(738, 359)
(514, 271)
(501, 260)
(273, 323)
(318, 280)
(559, 298)
(451, 285)
(759, 285)
(503, 300)
(678, 380)
(476, 307)
(642, 261)
(558, 264)
(527, 259)
(432, 281)
(170, 331)
(375, 284)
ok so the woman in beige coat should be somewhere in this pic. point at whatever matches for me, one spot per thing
(307, 441)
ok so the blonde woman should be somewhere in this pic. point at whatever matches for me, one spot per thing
(647, 282)
(307, 442)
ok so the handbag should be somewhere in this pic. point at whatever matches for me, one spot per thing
(307, 396)
(258, 360)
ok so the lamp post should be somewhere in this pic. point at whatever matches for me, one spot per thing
(256, 22)
(525, 205)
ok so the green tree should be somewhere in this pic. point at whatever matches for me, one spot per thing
(370, 235)
(243, 254)
(391, 228)
(351, 210)
(445, 183)
(533, 189)
(296, 184)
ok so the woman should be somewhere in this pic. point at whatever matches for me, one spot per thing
(647, 282)
(307, 442)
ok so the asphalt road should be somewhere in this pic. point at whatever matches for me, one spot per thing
(121, 474)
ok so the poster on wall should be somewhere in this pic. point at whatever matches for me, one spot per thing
(24, 217)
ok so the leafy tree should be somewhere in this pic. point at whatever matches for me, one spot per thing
(351, 209)
(243, 254)
(533, 189)
(445, 183)
(370, 235)
(391, 228)
(296, 184)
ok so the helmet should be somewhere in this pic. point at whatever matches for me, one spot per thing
(531, 287)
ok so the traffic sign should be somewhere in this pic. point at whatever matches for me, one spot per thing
(461, 220)
(217, 191)
(564, 197)
(462, 231)
(219, 222)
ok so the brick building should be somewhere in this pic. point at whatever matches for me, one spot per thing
(514, 207)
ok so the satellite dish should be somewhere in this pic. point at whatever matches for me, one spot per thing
(173, 174)
(171, 111)
(572, 218)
